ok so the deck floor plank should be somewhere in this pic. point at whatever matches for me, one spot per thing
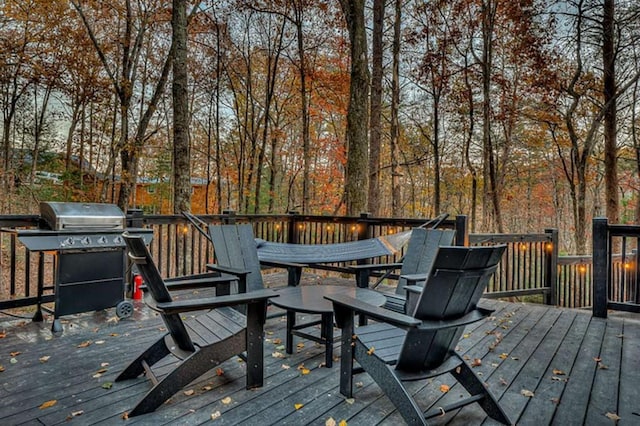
(538, 342)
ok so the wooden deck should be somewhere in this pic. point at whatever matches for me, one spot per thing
(546, 365)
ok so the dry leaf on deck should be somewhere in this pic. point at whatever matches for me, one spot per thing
(107, 385)
(444, 388)
(226, 401)
(189, 392)
(15, 353)
(277, 355)
(330, 422)
(44, 358)
(613, 416)
(219, 371)
(558, 372)
(342, 423)
(477, 362)
(527, 393)
(298, 406)
(48, 404)
(371, 351)
(215, 415)
(85, 344)
(3, 334)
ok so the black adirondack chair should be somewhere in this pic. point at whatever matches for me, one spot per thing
(421, 345)
(202, 342)
(416, 263)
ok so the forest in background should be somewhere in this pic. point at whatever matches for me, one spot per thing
(522, 115)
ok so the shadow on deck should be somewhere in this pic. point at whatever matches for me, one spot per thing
(546, 365)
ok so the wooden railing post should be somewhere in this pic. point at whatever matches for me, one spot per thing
(293, 233)
(601, 263)
(462, 230)
(228, 217)
(551, 265)
(135, 218)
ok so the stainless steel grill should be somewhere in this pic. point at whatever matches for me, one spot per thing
(86, 240)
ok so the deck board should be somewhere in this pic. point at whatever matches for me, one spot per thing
(539, 343)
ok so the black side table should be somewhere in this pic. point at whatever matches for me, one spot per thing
(310, 299)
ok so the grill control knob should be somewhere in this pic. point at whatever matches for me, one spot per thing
(118, 240)
(86, 241)
(68, 241)
(102, 240)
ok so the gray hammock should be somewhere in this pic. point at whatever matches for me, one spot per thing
(332, 253)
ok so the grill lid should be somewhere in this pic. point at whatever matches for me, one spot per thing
(61, 215)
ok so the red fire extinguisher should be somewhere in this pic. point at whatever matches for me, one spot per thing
(137, 291)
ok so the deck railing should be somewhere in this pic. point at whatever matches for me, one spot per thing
(531, 267)
(615, 277)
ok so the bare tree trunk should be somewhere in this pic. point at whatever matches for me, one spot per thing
(396, 190)
(375, 127)
(610, 148)
(357, 116)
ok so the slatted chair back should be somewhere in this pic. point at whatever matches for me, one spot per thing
(457, 280)
(157, 290)
(421, 252)
(235, 247)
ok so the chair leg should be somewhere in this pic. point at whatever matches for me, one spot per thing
(153, 354)
(383, 375)
(472, 383)
(189, 369)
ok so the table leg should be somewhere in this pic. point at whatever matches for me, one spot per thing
(291, 322)
(326, 333)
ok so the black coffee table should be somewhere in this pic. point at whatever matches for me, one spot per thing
(310, 299)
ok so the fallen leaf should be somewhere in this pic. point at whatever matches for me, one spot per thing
(285, 366)
(104, 364)
(277, 355)
(226, 401)
(99, 342)
(444, 388)
(330, 422)
(48, 404)
(371, 350)
(298, 406)
(125, 416)
(85, 344)
(503, 382)
(527, 393)
(77, 413)
(102, 370)
(114, 334)
(350, 401)
(300, 345)
(342, 423)
(613, 416)
(215, 415)
(13, 361)
(280, 348)
(555, 400)
(219, 371)
(503, 355)
(1, 368)
(559, 379)
(107, 385)
(44, 358)
(3, 334)
(189, 392)
(13, 354)
(601, 366)
(558, 372)
(359, 384)
(97, 375)
(277, 341)
(466, 335)
(597, 359)
(477, 362)
(206, 388)
(305, 371)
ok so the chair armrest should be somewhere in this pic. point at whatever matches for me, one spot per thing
(415, 289)
(210, 279)
(342, 302)
(180, 306)
(473, 316)
(412, 279)
(229, 270)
